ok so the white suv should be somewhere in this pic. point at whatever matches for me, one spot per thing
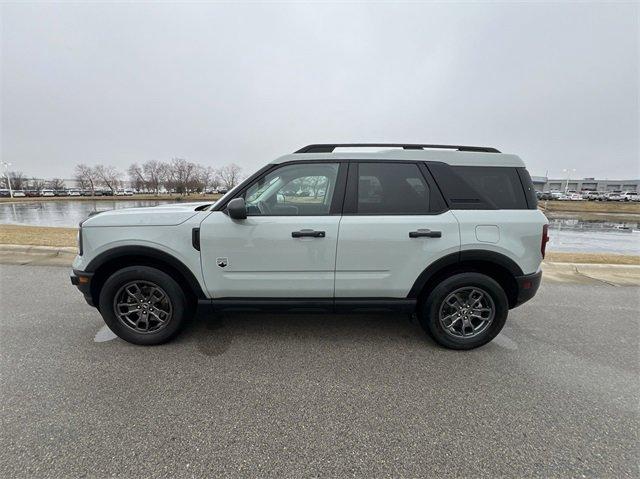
(452, 233)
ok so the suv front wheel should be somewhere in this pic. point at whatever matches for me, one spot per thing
(464, 311)
(143, 305)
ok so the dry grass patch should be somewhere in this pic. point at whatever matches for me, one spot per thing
(38, 235)
(591, 258)
(590, 206)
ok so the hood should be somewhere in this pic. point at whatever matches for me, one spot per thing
(162, 215)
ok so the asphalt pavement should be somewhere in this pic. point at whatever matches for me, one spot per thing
(554, 395)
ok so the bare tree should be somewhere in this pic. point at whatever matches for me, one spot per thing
(18, 180)
(81, 183)
(109, 176)
(230, 175)
(154, 174)
(56, 184)
(86, 176)
(37, 184)
(208, 177)
(181, 174)
(136, 175)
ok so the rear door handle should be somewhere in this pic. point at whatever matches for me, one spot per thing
(308, 234)
(422, 233)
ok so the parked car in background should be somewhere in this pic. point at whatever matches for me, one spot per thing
(32, 193)
(75, 192)
(630, 196)
(615, 196)
(222, 191)
(590, 195)
(602, 196)
(61, 193)
(48, 193)
(558, 196)
(107, 192)
(5, 193)
(546, 195)
(19, 194)
(575, 197)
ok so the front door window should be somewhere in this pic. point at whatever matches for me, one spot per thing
(293, 190)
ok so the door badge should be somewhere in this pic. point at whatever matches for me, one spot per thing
(222, 262)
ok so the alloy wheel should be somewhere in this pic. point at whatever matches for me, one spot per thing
(466, 312)
(143, 306)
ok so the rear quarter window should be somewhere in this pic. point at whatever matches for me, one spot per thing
(500, 185)
(483, 187)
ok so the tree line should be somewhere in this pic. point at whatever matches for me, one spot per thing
(178, 175)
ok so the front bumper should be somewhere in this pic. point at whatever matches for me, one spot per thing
(527, 287)
(82, 280)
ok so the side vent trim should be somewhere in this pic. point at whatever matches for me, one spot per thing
(195, 238)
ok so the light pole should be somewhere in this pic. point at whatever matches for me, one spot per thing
(568, 171)
(6, 173)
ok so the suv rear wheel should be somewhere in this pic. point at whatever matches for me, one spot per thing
(143, 305)
(465, 311)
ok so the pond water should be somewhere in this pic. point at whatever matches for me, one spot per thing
(67, 213)
(566, 234)
(574, 235)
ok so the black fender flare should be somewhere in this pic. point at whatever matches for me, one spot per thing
(152, 254)
(463, 257)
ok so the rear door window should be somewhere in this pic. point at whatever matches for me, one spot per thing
(392, 189)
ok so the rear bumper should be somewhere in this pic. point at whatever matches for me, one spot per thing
(82, 280)
(527, 287)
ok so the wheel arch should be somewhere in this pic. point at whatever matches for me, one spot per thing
(108, 262)
(495, 265)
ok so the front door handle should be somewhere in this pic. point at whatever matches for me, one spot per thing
(422, 233)
(308, 234)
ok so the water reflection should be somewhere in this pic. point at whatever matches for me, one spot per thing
(575, 235)
(61, 213)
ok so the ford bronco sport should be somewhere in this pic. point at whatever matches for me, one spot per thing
(451, 233)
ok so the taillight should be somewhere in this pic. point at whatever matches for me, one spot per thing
(545, 239)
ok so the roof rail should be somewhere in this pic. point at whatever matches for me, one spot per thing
(328, 148)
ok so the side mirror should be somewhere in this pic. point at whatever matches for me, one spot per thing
(237, 209)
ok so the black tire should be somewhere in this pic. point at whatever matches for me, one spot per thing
(430, 309)
(174, 300)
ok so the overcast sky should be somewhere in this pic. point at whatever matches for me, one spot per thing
(219, 83)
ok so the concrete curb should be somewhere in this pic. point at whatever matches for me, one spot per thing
(582, 273)
(590, 273)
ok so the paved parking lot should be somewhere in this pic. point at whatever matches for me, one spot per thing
(555, 395)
